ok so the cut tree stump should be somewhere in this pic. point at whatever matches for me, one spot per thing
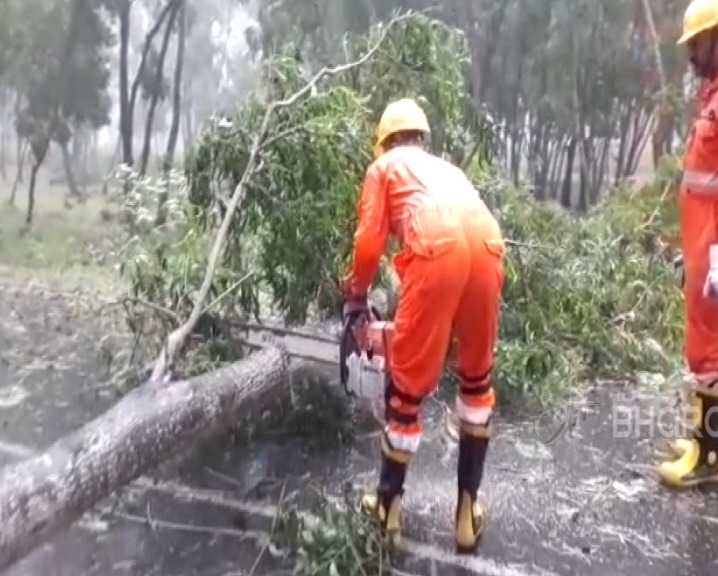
(155, 422)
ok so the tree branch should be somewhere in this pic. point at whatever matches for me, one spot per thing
(178, 337)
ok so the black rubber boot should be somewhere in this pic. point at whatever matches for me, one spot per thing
(469, 514)
(384, 503)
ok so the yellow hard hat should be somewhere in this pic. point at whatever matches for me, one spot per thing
(701, 15)
(399, 116)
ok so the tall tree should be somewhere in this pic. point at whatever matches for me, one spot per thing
(64, 75)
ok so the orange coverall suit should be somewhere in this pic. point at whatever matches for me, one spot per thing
(451, 274)
(698, 201)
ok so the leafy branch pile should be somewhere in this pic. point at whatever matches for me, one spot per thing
(587, 297)
(339, 539)
(583, 297)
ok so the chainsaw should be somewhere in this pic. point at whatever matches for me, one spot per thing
(361, 350)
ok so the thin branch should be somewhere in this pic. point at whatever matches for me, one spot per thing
(154, 307)
(228, 291)
(656, 211)
(177, 339)
(155, 524)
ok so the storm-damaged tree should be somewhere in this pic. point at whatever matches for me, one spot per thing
(162, 418)
(64, 80)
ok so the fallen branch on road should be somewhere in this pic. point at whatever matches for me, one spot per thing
(46, 493)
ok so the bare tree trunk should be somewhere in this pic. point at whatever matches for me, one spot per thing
(169, 8)
(31, 191)
(663, 131)
(498, 15)
(19, 153)
(108, 174)
(20, 163)
(3, 138)
(125, 114)
(177, 88)
(567, 186)
(44, 494)
(187, 125)
(128, 96)
(69, 173)
(145, 157)
(161, 216)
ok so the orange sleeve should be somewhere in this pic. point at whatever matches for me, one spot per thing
(372, 232)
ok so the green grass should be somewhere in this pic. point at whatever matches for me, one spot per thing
(59, 237)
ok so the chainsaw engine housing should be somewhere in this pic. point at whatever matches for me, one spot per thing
(365, 349)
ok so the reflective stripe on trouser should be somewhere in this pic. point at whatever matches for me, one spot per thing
(475, 404)
(403, 429)
(700, 181)
(707, 382)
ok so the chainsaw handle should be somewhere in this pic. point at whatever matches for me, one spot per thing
(347, 344)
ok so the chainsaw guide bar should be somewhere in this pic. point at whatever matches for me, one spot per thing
(322, 348)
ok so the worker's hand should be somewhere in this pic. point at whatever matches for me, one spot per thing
(355, 302)
(710, 288)
(354, 306)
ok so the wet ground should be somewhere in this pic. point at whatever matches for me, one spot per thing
(579, 499)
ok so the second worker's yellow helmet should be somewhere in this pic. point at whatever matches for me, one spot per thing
(701, 15)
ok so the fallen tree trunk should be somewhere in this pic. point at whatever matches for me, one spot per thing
(158, 420)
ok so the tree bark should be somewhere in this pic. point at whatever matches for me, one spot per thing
(44, 494)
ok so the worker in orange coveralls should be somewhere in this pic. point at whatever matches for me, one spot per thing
(697, 457)
(451, 274)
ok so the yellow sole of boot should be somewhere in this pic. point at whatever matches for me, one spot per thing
(465, 544)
